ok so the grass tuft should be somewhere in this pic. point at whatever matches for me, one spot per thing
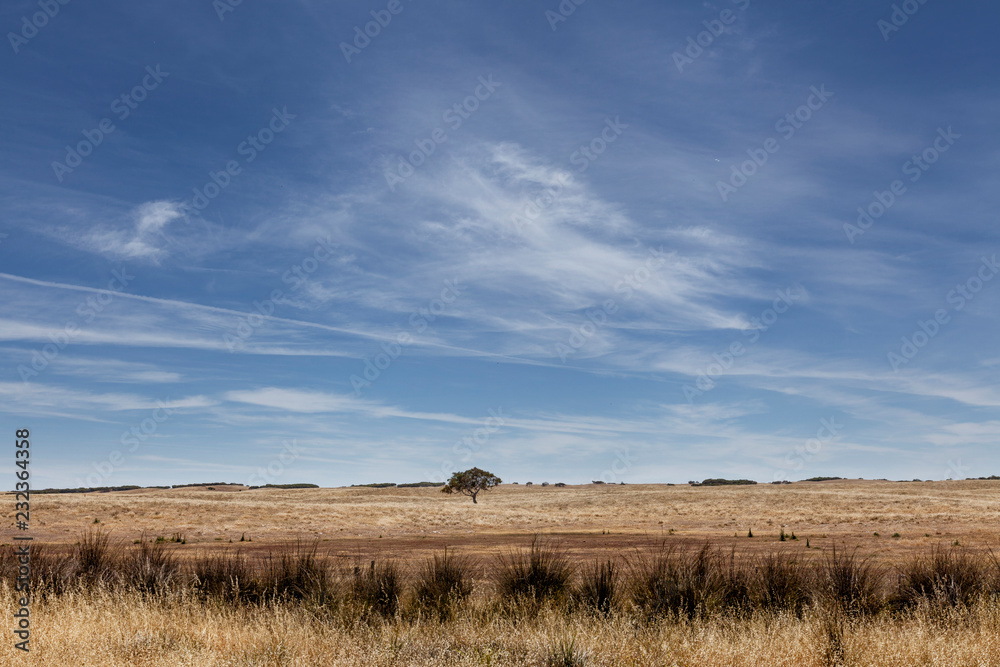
(444, 583)
(672, 582)
(150, 568)
(299, 574)
(96, 558)
(541, 572)
(943, 578)
(851, 583)
(599, 586)
(780, 584)
(564, 653)
(227, 577)
(377, 588)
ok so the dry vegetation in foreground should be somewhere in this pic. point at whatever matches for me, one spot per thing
(115, 604)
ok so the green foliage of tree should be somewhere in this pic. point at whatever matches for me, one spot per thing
(723, 482)
(471, 482)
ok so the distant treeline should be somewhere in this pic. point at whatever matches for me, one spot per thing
(723, 482)
(96, 489)
(134, 487)
(821, 479)
(185, 486)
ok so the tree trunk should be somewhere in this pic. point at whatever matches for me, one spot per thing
(474, 499)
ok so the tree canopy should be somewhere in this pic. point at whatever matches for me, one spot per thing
(471, 482)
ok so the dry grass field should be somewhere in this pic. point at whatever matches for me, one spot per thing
(353, 586)
(114, 630)
(590, 519)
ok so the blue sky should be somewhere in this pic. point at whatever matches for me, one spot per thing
(615, 241)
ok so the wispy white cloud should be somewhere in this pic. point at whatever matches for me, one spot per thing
(113, 370)
(35, 398)
(144, 240)
(535, 246)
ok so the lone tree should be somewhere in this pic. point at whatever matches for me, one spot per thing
(471, 482)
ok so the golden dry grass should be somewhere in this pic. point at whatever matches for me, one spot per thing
(400, 521)
(109, 630)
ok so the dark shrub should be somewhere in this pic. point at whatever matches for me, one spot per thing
(97, 558)
(299, 574)
(736, 584)
(150, 568)
(227, 577)
(779, 583)
(540, 572)
(851, 583)
(670, 581)
(444, 582)
(51, 573)
(376, 589)
(946, 577)
(599, 586)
